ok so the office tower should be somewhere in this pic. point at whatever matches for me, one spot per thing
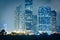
(34, 20)
(44, 19)
(54, 21)
(19, 19)
(28, 14)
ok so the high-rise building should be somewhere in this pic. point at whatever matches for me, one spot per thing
(34, 20)
(28, 14)
(44, 19)
(19, 19)
(54, 25)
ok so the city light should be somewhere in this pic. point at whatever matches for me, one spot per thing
(26, 22)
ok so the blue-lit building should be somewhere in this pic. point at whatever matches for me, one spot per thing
(28, 14)
(19, 19)
(44, 19)
(34, 20)
(54, 24)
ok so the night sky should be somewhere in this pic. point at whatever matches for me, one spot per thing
(7, 8)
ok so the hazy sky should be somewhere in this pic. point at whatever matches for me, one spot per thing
(7, 8)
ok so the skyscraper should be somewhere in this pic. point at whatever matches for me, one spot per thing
(34, 20)
(19, 19)
(28, 14)
(44, 19)
(54, 24)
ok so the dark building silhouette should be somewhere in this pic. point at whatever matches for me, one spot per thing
(3, 32)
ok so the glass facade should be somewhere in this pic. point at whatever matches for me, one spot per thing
(44, 19)
(34, 20)
(28, 14)
(54, 21)
(19, 19)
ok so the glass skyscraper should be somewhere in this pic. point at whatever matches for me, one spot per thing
(19, 19)
(44, 19)
(54, 24)
(28, 14)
